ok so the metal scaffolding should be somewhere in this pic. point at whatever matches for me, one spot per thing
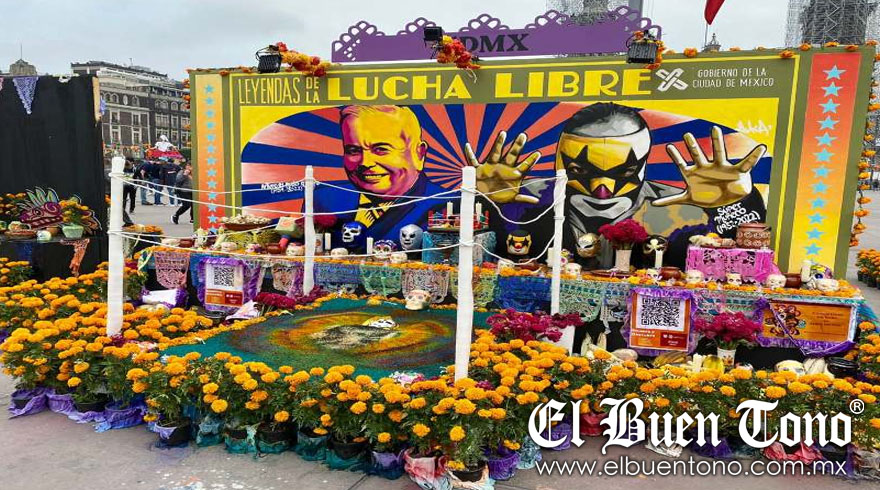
(821, 21)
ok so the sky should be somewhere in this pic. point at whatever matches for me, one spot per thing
(173, 35)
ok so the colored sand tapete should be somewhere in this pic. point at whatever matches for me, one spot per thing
(378, 339)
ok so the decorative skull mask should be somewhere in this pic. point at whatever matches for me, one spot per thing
(775, 281)
(398, 257)
(654, 244)
(295, 250)
(734, 279)
(519, 242)
(339, 252)
(417, 299)
(573, 269)
(383, 248)
(588, 245)
(411, 237)
(693, 276)
(353, 234)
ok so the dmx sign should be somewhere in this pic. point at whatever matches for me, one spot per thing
(552, 33)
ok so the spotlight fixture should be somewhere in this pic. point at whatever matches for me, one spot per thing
(268, 60)
(641, 51)
(432, 34)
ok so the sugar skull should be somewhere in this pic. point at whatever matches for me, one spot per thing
(353, 234)
(519, 242)
(253, 248)
(793, 366)
(572, 269)
(588, 245)
(295, 249)
(417, 299)
(775, 281)
(411, 237)
(44, 235)
(693, 276)
(653, 274)
(733, 279)
(827, 285)
(566, 257)
(398, 257)
(339, 252)
(812, 272)
(383, 248)
(505, 264)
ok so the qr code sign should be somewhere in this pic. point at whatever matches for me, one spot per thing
(224, 276)
(660, 313)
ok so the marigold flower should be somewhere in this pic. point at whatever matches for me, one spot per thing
(421, 430)
(383, 437)
(282, 416)
(456, 433)
(219, 406)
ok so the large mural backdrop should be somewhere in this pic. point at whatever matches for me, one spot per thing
(705, 143)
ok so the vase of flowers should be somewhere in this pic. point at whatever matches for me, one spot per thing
(77, 218)
(623, 236)
(729, 331)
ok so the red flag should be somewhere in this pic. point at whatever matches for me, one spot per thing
(712, 8)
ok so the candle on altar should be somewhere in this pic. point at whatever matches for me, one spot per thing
(478, 211)
(448, 209)
(369, 245)
(658, 259)
(327, 247)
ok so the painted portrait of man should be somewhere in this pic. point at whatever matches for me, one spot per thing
(384, 158)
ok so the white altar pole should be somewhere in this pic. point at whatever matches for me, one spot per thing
(465, 313)
(116, 267)
(309, 264)
(567, 339)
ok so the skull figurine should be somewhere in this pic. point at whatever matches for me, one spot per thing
(588, 245)
(693, 276)
(827, 285)
(505, 264)
(775, 281)
(417, 299)
(734, 279)
(383, 248)
(353, 234)
(410, 237)
(573, 269)
(398, 257)
(519, 242)
(566, 257)
(653, 274)
(296, 250)
(339, 252)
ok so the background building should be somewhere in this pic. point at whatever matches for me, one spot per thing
(21, 68)
(140, 105)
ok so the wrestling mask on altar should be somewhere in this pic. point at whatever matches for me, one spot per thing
(588, 245)
(604, 150)
(411, 237)
(519, 242)
(353, 235)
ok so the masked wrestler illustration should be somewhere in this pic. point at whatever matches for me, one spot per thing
(604, 149)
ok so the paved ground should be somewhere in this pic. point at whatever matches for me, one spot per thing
(48, 451)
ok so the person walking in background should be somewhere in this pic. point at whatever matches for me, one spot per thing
(169, 177)
(184, 182)
(142, 173)
(129, 191)
(156, 179)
